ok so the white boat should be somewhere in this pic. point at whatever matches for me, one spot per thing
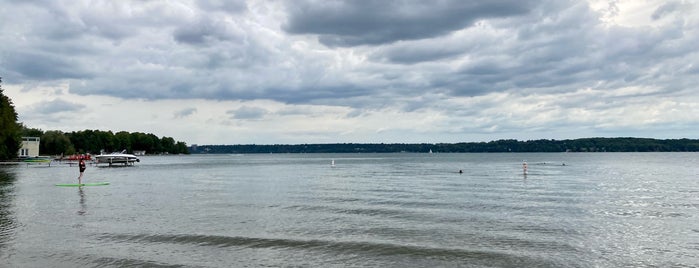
(117, 158)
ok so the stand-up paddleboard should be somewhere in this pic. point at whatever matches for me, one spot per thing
(82, 184)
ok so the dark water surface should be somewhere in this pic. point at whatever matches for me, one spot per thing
(370, 210)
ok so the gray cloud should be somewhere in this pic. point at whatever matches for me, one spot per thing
(315, 95)
(372, 22)
(185, 112)
(55, 106)
(27, 66)
(248, 113)
(412, 53)
(522, 45)
(232, 6)
(203, 30)
(70, 20)
(667, 8)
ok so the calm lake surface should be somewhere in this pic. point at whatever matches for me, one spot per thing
(369, 210)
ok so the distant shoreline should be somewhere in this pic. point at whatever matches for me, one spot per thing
(497, 146)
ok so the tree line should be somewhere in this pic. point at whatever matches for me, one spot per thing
(54, 142)
(497, 146)
(9, 128)
(87, 141)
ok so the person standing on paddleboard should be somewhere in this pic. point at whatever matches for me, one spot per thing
(82, 167)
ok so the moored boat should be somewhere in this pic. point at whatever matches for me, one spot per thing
(117, 158)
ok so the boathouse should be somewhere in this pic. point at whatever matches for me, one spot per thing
(30, 147)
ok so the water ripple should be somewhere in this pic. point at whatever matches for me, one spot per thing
(489, 257)
(126, 262)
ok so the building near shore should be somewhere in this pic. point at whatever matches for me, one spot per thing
(30, 147)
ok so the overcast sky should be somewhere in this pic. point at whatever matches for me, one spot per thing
(272, 72)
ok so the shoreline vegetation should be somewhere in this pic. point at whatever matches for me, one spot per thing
(93, 142)
(622, 144)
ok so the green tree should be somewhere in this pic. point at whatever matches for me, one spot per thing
(182, 148)
(142, 141)
(55, 142)
(105, 140)
(156, 144)
(168, 145)
(31, 132)
(80, 140)
(10, 129)
(94, 141)
(122, 140)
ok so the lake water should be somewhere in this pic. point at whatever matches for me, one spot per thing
(370, 210)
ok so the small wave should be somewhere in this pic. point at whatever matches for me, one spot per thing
(337, 247)
(644, 214)
(385, 212)
(122, 262)
(7, 227)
